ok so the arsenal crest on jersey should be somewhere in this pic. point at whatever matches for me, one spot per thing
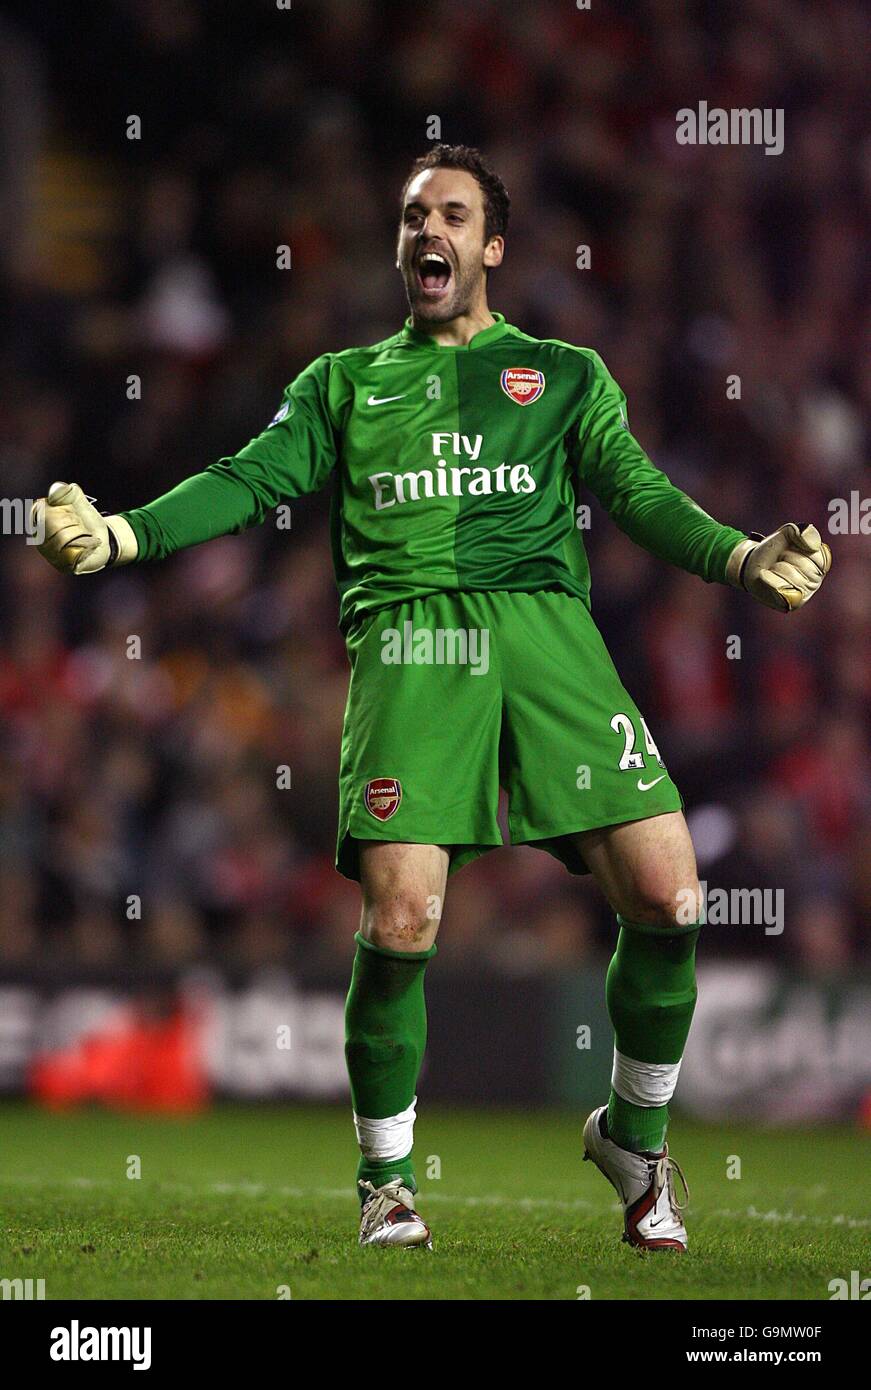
(523, 384)
(382, 797)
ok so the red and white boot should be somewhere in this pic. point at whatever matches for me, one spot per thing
(389, 1218)
(653, 1217)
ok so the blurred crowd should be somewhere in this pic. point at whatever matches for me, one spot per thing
(148, 331)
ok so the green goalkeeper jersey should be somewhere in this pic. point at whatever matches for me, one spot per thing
(453, 468)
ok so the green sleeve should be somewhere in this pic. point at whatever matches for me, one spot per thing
(643, 502)
(294, 455)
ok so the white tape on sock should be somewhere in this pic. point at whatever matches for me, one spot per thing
(385, 1141)
(644, 1083)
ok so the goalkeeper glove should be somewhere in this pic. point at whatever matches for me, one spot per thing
(782, 570)
(76, 538)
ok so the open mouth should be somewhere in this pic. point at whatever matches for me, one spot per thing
(433, 274)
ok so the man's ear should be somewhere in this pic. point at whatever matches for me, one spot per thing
(493, 252)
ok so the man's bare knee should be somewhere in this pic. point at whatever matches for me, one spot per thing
(646, 869)
(403, 894)
(399, 923)
(660, 902)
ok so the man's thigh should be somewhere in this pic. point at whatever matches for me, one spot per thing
(646, 868)
(403, 893)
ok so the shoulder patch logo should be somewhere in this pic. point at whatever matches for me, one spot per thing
(382, 797)
(523, 384)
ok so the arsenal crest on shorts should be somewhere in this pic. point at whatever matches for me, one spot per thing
(522, 384)
(382, 797)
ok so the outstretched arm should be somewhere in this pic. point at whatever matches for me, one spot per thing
(294, 455)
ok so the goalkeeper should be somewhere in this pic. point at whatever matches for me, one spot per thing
(459, 450)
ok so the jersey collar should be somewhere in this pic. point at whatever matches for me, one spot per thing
(484, 338)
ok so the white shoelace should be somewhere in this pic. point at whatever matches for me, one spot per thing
(666, 1168)
(382, 1199)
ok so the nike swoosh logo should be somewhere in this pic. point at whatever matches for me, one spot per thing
(645, 786)
(382, 400)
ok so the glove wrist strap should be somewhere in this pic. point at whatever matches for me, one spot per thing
(737, 560)
(114, 548)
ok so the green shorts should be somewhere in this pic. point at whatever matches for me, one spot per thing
(457, 694)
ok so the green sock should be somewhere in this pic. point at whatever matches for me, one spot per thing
(651, 993)
(639, 1128)
(385, 1037)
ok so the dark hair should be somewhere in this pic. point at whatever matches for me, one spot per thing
(466, 157)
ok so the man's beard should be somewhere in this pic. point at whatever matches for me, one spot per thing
(457, 301)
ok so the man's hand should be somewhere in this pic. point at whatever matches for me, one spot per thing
(76, 539)
(782, 570)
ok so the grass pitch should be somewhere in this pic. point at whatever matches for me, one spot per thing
(239, 1203)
